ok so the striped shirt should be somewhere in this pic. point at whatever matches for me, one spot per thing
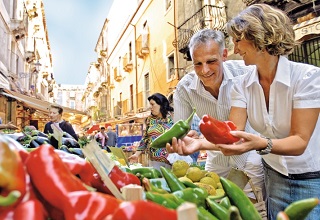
(190, 93)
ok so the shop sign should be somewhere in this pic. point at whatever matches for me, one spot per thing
(308, 27)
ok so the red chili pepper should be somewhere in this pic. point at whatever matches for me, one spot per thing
(51, 177)
(217, 132)
(142, 210)
(31, 209)
(89, 205)
(121, 178)
(84, 169)
(12, 175)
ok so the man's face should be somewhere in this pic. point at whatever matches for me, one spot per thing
(54, 115)
(207, 61)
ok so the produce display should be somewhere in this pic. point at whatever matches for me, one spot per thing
(47, 183)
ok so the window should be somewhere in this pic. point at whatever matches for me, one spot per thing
(307, 52)
(130, 52)
(72, 104)
(131, 97)
(72, 94)
(170, 67)
(147, 89)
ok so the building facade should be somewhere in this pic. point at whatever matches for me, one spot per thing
(147, 51)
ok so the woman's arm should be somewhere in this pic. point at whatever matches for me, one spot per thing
(303, 122)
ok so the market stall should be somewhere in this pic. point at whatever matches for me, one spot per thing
(43, 182)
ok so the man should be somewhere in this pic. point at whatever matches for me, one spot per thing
(112, 140)
(55, 114)
(208, 90)
(102, 138)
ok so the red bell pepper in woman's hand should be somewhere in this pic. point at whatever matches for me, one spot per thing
(86, 205)
(51, 177)
(142, 210)
(217, 132)
(12, 176)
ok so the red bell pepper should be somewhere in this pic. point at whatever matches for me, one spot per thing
(218, 132)
(12, 176)
(16, 145)
(142, 210)
(51, 177)
(86, 205)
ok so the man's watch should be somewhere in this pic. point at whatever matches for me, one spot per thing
(268, 149)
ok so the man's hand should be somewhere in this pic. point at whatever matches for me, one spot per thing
(184, 146)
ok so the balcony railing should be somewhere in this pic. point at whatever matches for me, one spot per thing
(209, 16)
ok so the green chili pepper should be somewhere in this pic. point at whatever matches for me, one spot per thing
(152, 188)
(203, 214)
(301, 208)
(240, 200)
(178, 130)
(173, 182)
(160, 183)
(225, 202)
(163, 200)
(195, 195)
(233, 213)
(217, 209)
(149, 172)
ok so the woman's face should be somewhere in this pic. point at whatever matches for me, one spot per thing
(247, 50)
(155, 108)
(54, 115)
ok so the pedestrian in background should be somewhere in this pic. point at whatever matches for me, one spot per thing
(102, 137)
(157, 123)
(112, 140)
(55, 114)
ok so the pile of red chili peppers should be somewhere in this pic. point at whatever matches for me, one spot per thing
(51, 184)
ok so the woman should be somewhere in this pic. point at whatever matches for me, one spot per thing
(281, 100)
(157, 123)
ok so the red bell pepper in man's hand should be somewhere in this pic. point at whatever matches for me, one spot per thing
(12, 175)
(218, 132)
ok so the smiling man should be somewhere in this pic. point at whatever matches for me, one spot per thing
(208, 89)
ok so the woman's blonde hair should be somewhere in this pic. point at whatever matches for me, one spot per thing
(269, 28)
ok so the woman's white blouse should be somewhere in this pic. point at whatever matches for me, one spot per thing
(296, 85)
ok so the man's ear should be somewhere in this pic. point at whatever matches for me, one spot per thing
(225, 54)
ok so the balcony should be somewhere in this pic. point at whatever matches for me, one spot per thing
(117, 75)
(142, 45)
(103, 53)
(209, 16)
(127, 64)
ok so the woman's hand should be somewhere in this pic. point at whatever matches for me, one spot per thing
(247, 143)
(133, 158)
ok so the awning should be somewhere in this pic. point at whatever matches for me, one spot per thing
(311, 26)
(93, 128)
(40, 105)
